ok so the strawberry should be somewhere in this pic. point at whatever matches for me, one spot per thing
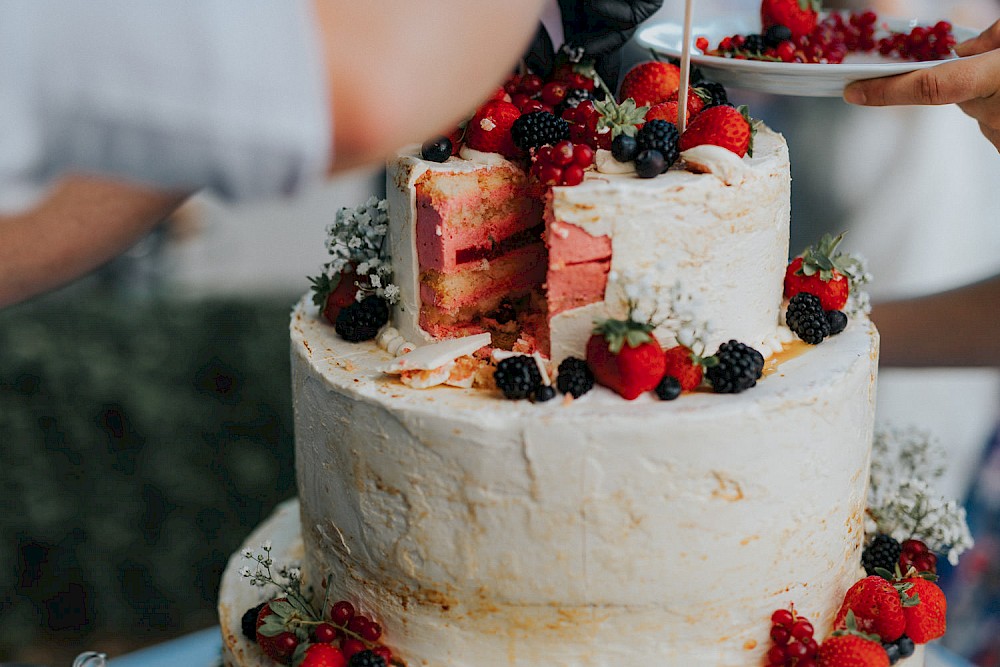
(683, 364)
(625, 356)
(333, 294)
(924, 607)
(799, 16)
(319, 655)
(696, 100)
(876, 606)
(489, 129)
(650, 82)
(851, 650)
(821, 271)
(274, 635)
(722, 125)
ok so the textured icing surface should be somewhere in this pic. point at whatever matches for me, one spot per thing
(484, 532)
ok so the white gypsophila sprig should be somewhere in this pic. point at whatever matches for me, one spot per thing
(358, 238)
(901, 501)
(858, 300)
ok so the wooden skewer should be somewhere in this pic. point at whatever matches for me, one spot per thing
(682, 93)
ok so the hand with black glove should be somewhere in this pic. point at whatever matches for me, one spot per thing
(597, 27)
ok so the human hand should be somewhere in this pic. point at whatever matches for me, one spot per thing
(973, 83)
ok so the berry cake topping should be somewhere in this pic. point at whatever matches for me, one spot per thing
(625, 356)
(792, 642)
(881, 553)
(798, 16)
(851, 647)
(650, 82)
(490, 129)
(537, 128)
(574, 377)
(877, 608)
(822, 271)
(361, 320)
(660, 137)
(807, 319)
(518, 377)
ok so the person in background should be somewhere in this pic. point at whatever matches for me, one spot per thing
(116, 113)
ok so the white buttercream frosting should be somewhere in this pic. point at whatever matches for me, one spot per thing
(495, 533)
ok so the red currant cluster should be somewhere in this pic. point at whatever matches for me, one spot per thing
(529, 92)
(834, 37)
(921, 43)
(355, 632)
(915, 554)
(562, 164)
(794, 645)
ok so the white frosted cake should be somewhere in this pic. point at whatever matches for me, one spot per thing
(675, 525)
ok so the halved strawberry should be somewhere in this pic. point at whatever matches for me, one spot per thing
(799, 16)
(723, 126)
(823, 272)
(489, 129)
(625, 356)
(650, 82)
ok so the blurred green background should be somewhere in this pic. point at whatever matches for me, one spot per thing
(143, 438)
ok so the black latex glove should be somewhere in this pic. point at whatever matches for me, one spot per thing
(599, 27)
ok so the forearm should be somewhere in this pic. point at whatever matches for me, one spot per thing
(416, 69)
(955, 328)
(81, 224)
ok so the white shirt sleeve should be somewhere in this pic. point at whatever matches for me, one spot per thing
(221, 94)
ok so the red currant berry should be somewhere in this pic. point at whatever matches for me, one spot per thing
(351, 646)
(287, 641)
(531, 84)
(358, 624)
(776, 655)
(701, 44)
(812, 646)
(554, 93)
(562, 153)
(782, 617)
(549, 174)
(372, 631)
(780, 635)
(802, 629)
(805, 662)
(324, 633)
(796, 650)
(572, 175)
(384, 653)
(583, 155)
(533, 105)
(341, 612)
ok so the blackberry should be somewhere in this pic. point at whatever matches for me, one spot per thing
(436, 150)
(575, 377)
(660, 135)
(366, 658)
(538, 128)
(754, 44)
(717, 96)
(249, 622)
(669, 388)
(624, 148)
(777, 34)
(883, 552)
(543, 393)
(806, 317)
(736, 367)
(517, 377)
(650, 164)
(362, 319)
(837, 321)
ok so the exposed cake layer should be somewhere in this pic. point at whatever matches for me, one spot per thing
(722, 238)
(483, 532)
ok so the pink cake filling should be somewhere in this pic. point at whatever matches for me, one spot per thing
(578, 267)
(467, 214)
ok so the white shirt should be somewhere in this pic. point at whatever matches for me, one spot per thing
(176, 93)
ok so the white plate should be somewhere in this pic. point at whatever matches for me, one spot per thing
(803, 79)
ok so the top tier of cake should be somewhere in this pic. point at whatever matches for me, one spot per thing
(472, 236)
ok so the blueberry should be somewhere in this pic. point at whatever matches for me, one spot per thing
(669, 388)
(624, 148)
(436, 150)
(650, 164)
(776, 34)
(837, 320)
(892, 650)
(906, 646)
